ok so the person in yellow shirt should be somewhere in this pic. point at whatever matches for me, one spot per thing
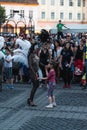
(85, 61)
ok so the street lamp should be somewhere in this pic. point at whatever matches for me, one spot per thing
(31, 25)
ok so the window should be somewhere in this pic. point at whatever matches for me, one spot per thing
(61, 15)
(83, 16)
(78, 16)
(52, 15)
(14, 12)
(70, 3)
(61, 2)
(52, 2)
(11, 13)
(43, 2)
(43, 15)
(78, 2)
(70, 16)
(22, 13)
(83, 3)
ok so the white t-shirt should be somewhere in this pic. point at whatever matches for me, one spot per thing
(57, 54)
(8, 64)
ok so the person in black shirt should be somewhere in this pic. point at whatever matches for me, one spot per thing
(66, 59)
(44, 58)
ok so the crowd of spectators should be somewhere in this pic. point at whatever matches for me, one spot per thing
(49, 48)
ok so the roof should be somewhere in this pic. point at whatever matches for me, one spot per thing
(21, 1)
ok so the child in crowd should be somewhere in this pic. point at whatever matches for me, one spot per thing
(8, 68)
(51, 82)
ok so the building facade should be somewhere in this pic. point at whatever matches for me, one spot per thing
(69, 11)
(41, 14)
(21, 15)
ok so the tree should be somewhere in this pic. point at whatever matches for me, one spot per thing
(2, 15)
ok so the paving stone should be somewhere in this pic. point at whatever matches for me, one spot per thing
(46, 123)
(72, 99)
(7, 94)
(69, 114)
(76, 115)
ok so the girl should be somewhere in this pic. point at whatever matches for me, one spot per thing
(51, 84)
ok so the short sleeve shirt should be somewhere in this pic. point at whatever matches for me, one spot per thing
(8, 64)
(51, 76)
(66, 56)
(59, 27)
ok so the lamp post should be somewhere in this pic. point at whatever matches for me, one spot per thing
(31, 25)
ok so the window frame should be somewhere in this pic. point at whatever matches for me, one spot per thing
(78, 16)
(61, 2)
(79, 3)
(70, 3)
(53, 15)
(61, 14)
(22, 13)
(83, 16)
(43, 14)
(84, 3)
(43, 2)
(52, 2)
(70, 16)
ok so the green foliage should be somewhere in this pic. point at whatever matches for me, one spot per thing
(2, 14)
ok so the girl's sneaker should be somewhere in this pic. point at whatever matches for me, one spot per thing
(54, 104)
(49, 106)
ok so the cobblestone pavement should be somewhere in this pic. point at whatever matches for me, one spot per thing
(70, 113)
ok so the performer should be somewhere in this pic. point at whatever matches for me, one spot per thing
(59, 26)
(33, 71)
